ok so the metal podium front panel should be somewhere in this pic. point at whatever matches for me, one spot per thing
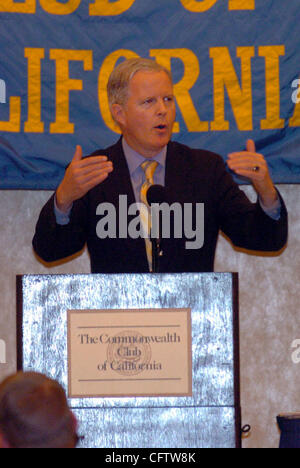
(208, 418)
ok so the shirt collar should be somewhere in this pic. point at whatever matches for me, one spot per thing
(134, 159)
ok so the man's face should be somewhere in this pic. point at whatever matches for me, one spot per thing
(147, 118)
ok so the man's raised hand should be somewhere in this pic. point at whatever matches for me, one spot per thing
(82, 175)
(253, 165)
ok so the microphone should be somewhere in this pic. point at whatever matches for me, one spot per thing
(156, 194)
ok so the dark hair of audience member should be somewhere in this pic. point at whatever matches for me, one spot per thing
(34, 413)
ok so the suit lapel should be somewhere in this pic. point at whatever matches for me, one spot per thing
(119, 179)
(176, 177)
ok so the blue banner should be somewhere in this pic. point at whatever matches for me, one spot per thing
(235, 63)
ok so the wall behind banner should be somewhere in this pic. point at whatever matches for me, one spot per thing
(235, 65)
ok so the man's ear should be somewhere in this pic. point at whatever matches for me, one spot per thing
(118, 114)
(3, 441)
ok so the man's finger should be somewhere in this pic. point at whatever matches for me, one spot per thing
(78, 153)
(94, 180)
(89, 171)
(244, 159)
(93, 161)
(250, 145)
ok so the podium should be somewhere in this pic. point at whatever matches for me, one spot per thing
(207, 418)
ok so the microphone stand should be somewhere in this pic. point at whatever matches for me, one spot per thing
(156, 241)
(156, 195)
(156, 254)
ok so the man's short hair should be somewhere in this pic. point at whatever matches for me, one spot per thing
(119, 80)
(34, 412)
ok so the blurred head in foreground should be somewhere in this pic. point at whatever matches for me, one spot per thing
(34, 413)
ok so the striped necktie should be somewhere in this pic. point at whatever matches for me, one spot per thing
(149, 169)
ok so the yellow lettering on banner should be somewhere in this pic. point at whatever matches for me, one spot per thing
(181, 89)
(272, 54)
(107, 8)
(240, 97)
(295, 120)
(14, 123)
(104, 73)
(198, 6)
(64, 85)
(58, 8)
(10, 6)
(241, 5)
(34, 123)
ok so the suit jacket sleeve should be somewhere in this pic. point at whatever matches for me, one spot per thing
(246, 223)
(52, 241)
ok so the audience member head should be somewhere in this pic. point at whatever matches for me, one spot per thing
(34, 413)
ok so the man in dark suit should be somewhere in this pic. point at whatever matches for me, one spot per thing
(142, 103)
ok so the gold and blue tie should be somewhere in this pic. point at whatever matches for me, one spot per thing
(149, 168)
